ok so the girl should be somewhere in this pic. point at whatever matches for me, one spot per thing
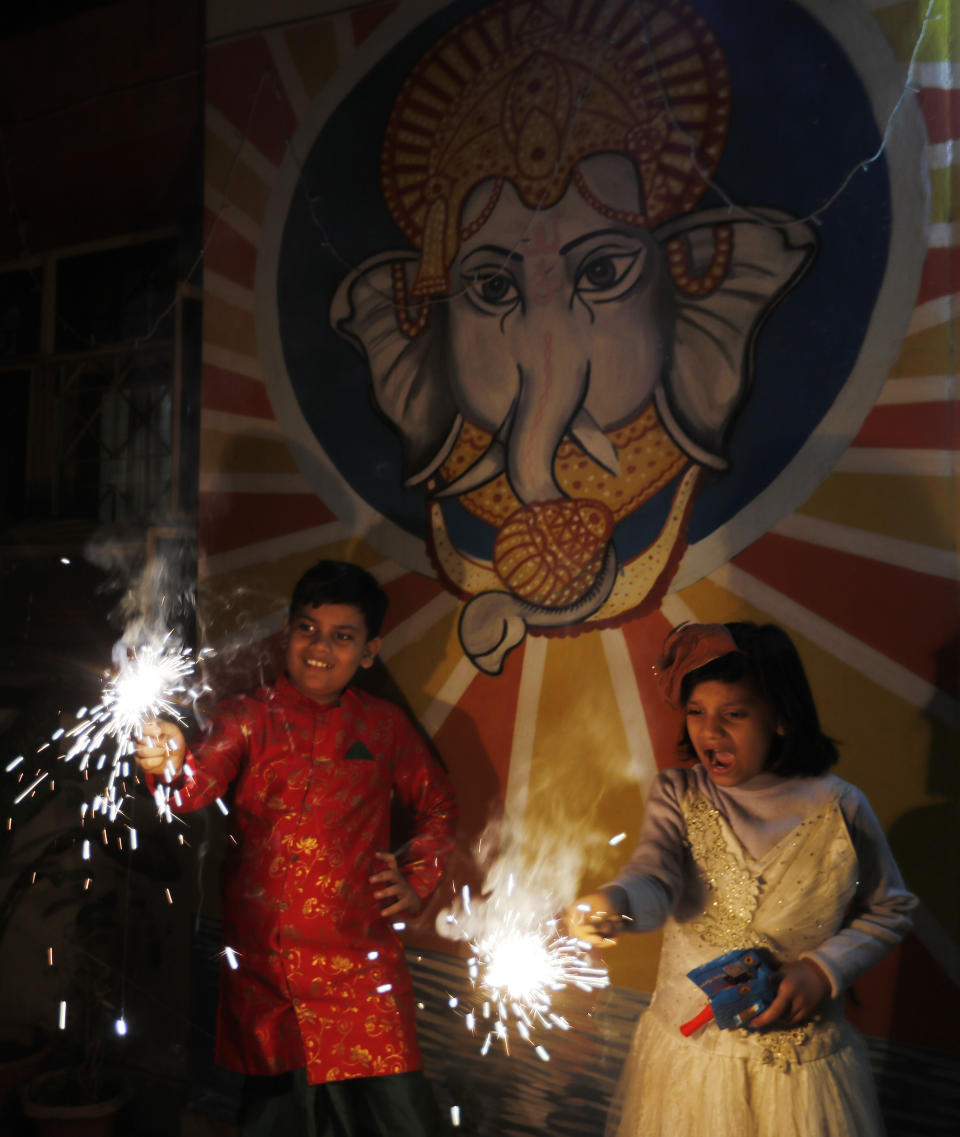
(756, 846)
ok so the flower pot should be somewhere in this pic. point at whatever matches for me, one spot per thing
(51, 1102)
(23, 1054)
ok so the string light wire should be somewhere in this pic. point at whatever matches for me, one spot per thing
(270, 75)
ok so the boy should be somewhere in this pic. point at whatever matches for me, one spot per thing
(319, 1012)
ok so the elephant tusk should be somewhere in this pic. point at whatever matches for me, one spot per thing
(491, 463)
(488, 466)
(584, 429)
(587, 432)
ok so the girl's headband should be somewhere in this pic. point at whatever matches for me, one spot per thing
(686, 648)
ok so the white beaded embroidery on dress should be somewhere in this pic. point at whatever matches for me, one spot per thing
(807, 1081)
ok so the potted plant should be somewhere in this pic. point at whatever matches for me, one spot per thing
(24, 1051)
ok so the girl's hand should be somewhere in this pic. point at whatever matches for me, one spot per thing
(160, 748)
(803, 987)
(396, 886)
(594, 919)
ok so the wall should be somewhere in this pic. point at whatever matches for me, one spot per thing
(785, 433)
(101, 141)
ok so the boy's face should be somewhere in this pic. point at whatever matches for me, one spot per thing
(326, 644)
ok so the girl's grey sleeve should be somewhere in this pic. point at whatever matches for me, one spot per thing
(879, 914)
(649, 884)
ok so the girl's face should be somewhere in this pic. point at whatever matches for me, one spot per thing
(731, 727)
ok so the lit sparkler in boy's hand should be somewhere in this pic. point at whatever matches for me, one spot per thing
(519, 962)
(143, 689)
(149, 681)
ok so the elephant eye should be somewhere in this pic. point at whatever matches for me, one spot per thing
(492, 290)
(607, 275)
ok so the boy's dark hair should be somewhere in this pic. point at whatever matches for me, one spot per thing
(339, 582)
(768, 659)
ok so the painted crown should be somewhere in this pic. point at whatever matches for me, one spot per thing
(525, 91)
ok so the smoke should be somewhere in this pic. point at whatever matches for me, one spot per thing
(156, 606)
(563, 836)
(157, 590)
(156, 586)
(534, 873)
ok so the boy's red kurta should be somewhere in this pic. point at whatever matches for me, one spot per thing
(321, 981)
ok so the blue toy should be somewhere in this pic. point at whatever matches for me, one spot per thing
(739, 986)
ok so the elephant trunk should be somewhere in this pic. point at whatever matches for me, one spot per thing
(548, 400)
(493, 623)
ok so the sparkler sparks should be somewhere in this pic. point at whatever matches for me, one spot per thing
(148, 683)
(90, 754)
(144, 687)
(519, 961)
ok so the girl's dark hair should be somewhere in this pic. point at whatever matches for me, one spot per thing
(338, 582)
(768, 660)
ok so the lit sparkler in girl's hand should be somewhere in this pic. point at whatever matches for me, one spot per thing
(519, 961)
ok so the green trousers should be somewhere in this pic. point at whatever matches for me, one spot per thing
(395, 1105)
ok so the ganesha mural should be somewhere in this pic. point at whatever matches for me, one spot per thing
(560, 330)
(570, 334)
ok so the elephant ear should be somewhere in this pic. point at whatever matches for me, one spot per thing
(712, 364)
(407, 376)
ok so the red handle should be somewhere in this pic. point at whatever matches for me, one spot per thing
(697, 1021)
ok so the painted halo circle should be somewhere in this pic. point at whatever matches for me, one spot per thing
(819, 360)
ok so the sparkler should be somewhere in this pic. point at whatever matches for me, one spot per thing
(519, 960)
(144, 687)
(148, 683)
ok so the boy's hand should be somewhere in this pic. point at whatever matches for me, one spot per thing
(160, 748)
(594, 919)
(395, 886)
(803, 987)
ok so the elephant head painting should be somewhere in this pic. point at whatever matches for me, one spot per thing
(569, 335)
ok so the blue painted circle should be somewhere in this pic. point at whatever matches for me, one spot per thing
(800, 121)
